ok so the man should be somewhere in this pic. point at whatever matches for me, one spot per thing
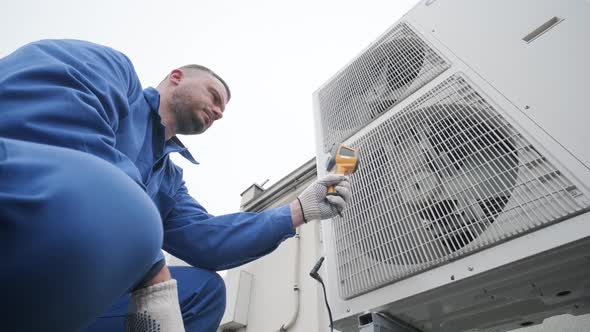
(89, 196)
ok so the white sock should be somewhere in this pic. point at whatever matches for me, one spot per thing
(155, 309)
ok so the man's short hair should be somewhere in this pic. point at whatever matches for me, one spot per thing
(207, 70)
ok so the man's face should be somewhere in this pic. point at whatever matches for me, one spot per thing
(196, 102)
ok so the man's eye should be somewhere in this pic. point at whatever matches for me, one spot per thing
(215, 98)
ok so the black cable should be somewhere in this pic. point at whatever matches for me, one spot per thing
(327, 305)
(314, 274)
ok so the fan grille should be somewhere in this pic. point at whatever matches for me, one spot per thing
(394, 67)
(445, 176)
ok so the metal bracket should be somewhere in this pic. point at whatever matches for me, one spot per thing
(378, 322)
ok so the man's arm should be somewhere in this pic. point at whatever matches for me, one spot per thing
(297, 219)
(222, 242)
(227, 241)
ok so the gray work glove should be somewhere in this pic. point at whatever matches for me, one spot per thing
(317, 205)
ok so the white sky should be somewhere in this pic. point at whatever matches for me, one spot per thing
(273, 54)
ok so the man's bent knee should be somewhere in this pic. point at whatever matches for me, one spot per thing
(95, 232)
(109, 201)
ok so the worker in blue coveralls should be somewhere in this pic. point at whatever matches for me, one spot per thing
(89, 196)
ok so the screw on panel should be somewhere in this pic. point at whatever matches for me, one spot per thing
(452, 277)
(347, 309)
(470, 268)
(526, 107)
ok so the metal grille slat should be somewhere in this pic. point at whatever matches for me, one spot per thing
(444, 177)
(394, 67)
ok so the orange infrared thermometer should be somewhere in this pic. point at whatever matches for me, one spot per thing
(346, 162)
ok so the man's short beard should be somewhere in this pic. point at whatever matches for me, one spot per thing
(187, 122)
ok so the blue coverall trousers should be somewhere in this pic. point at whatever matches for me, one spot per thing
(76, 234)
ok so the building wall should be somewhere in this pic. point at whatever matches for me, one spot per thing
(272, 298)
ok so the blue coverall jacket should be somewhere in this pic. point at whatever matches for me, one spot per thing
(86, 97)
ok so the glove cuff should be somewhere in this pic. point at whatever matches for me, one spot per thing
(309, 208)
(302, 212)
(162, 292)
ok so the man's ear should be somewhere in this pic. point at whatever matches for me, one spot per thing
(175, 76)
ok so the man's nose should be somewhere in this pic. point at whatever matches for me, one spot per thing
(218, 113)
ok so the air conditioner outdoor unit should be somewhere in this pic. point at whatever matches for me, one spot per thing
(469, 205)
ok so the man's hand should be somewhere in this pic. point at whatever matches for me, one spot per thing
(314, 202)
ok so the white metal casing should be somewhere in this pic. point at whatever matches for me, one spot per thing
(538, 88)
